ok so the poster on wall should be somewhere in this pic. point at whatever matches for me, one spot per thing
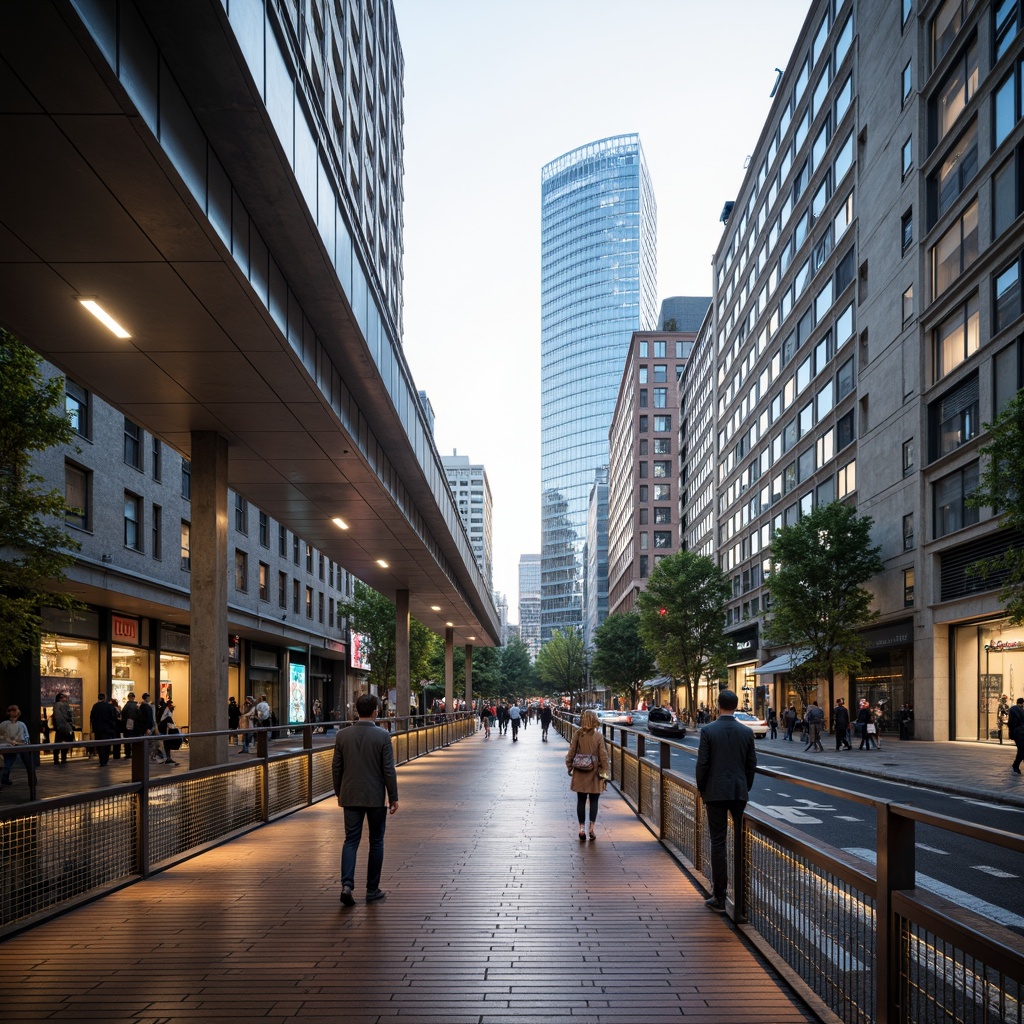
(50, 686)
(360, 653)
(296, 694)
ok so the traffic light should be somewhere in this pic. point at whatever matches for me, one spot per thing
(663, 611)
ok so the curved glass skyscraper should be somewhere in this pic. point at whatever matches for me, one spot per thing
(598, 285)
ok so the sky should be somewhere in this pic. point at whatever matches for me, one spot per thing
(495, 89)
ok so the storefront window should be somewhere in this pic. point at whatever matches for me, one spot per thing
(68, 665)
(887, 683)
(130, 673)
(174, 684)
(989, 664)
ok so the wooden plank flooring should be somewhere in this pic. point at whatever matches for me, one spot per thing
(495, 913)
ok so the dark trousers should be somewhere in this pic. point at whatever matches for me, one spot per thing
(718, 828)
(789, 731)
(1019, 740)
(376, 819)
(581, 807)
(9, 761)
(515, 728)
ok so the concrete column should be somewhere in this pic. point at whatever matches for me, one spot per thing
(469, 676)
(209, 598)
(402, 681)
(449, 670)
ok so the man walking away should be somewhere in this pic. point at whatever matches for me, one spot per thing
(545, 722)
(814, 721)
(363, 770)
(841, 724)
(1015, 728)
(726, 763)
(514, 716)
(103, 719)
(789, 718)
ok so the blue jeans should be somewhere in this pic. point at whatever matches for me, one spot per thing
(376, 818)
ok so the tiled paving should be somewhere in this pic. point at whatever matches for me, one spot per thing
(495, 913)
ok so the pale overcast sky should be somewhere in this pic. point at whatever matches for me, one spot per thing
(494, 89)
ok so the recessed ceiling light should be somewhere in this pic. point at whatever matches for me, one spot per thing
(435, 607)
(470, 637)
(103, 316)
(382, 563)
(340, 523)
(449, 623)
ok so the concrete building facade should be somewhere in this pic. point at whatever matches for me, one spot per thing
(472, 494)
(529, 603)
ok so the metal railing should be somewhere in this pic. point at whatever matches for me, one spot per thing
(861, 941)
(57, 853)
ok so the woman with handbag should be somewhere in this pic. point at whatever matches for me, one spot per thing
(587, 763)
(166, 726)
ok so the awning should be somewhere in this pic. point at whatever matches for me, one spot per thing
(653, 684)
(784, 663)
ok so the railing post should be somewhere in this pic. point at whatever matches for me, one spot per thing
(307, 746)
(263, 754)
(140, 775)
(739, 873)
(896, 870)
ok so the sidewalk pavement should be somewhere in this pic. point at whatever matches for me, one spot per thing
(978, 770)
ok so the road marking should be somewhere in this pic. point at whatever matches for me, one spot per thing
(995, 872)
(794, 815)
(1003, 808)
(847, 817)
(958, 896)
(931, 849)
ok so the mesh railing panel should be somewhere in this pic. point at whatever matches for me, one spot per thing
(942, 984)
(650, 792)
(823, 927)
(630, 784)
(323, 780)
(60, 855)
(400, 744)
(679, 828)
(287, 781)
(191, 812)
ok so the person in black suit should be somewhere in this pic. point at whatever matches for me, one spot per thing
(105, 726)
(1015, 727)
(363, 772)
(726, 763)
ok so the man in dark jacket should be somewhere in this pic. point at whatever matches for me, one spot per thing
(1015, 727)
(362, 771)
(726, 763)
(105, 722)
(841, 724)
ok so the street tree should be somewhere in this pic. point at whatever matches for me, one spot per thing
(1002, 488)
(621, 660)
(517, 672)
(561, 664)
(37, 549)
(818, 600)
(682, 620)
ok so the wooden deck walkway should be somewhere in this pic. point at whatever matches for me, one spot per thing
(495, 913)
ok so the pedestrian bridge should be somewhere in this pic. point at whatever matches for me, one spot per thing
(495, 909)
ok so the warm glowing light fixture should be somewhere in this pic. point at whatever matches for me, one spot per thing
(340, 523)
(435, 607)
(382, 563)
(103, 316)
(449, 623)
(470, 637)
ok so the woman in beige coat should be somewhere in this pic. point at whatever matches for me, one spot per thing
(588, 740)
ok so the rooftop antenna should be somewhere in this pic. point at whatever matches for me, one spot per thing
(775, 87)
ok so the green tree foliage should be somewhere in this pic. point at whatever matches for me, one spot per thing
(517, 672)
(682, 619)
(373, 615)
(819, 603)
(622, 661)
(37, 549)
(1002, 488)
(561, 664)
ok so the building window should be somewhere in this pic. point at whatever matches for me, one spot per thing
(295, 551)
(906, 231)
(660, 398)
(296, 596)
(845, 433)
(282, 541)
(644, 538)
(643, 567)
(642, 425)
(846, 479)
(662, 516)
(264, 521)
(186, 547)
(908, 588)
(241, 514)
(1006, 289)
(956, 339)
(662, 492)
(643, 470)
(643, 398)
(954, 418)
(132, 521)
(1006, 17)
(1008, 374)
(186, 479)
(132, 444)
(951, 494)
(663, 538)
(907, 82)
(662, 470)
(158, 458)
(955, 173)
(309, 558)
(1006, 107)
(906, 158)
(908, 457)
(660, 374)
(320, 564)
(642, 375)
(330, 612)
(264, 580)
(282, 590)
(662, 424)
(956, 250)
(845, 380)
(642, 498)
(77, 487)
(309, 602)
(943, 29)
(76, 407)
(156, 532)
(643, 516)
(241, 571)
(663, 446)
(908, 531)
(643, 448)
(320, 607)
(908, 6)
(659, 350)
(955, 92)
(908, 305)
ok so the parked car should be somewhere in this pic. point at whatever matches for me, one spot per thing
(757, 725)
(664, 722)
(634, 718)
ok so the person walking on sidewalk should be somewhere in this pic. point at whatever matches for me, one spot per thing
(363, 772)
(726, 764)
(514, 718)
(587, 783)
(545, 722)
(814, 721)
(1015, 728)
(789, 720)
(104, 720)
(841, 724)
(14, 733)
(63, 727)
(864, 719)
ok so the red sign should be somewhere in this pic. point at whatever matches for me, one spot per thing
(124, 630)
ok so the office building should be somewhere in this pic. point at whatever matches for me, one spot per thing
(529, 603)
(472, 494)
(595, 580)
(599, 285)
(644, 439)
(866, 324)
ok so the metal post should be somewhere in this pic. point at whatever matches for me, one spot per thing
(896, 870)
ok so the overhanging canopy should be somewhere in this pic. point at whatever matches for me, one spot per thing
(783, 663)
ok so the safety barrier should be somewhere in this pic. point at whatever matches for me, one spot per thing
(860, 940)
(58, 853)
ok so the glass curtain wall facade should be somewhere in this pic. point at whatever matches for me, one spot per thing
(598, 284)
